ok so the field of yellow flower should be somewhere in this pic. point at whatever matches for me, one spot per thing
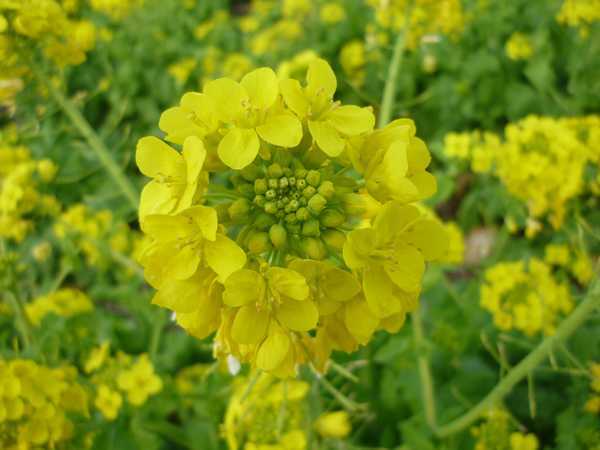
(299, 225)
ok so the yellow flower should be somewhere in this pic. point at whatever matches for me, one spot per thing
(182, 69)
(140, 381)
(520, 441)
(334, 425)
(332, 12)
(176, 178)
(97, 357)
(519, 46)
(391, 256)
(329, 123)
(108, 402)
(64, 302)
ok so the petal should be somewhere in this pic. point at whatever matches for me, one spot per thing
(184, 264)
(287, 282)
(298, 316)
(204, 110)
(378, 289)
(205, 218)
(418, 155)
(358, 246)
(262, 87)
(339, 285)
(250, 325)
(242, 287)
(177, 124)
(228, 98)
(320, 79)
(294, 97)
(393, 323)
(425, 183)
(360, 321)
(156, 198)
(155, 158)
(327, 138)
(407, 268)
(352, 120)
(391, 219)
(283, 130)
(273, 351)
(181, 296)
(224, 256)
(194, 155)
(430, 237)
(238, 148)
(165, 228)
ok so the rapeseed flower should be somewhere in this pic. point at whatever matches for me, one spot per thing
(299, 220)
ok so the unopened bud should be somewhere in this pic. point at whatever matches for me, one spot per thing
(302, 214)
(317, 203)
(314, 248)
(247, 190)
(259, 200)
(271, 207)
(361, 205)
(275, 170)
(264, 221)
(313, 177)
(300, 173)
(278, 235)
(259, 242)
(250, 172)
(283, 183)
(238, 209)
(260, 186)
(300, 183)
(273, 183)
(308, 192)
(334, 238)
(270, 194)
(332, 218)
(326, 189)
(311, 228)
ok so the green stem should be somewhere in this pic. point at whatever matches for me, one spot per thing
(96, 145)
(22, 322)
(346, 403)
(389, 90)
(516, 374)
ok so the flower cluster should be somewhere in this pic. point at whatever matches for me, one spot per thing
(36, 402)
(541, 160)
(119, 376)
(116, 9)
(49, 24)
(85, 229)
(256, 419)
(422, 17)
(21, 178)
(525, 297)
(519, 46)
(64, 302)
(495, 434)
(284, 214)
(579, 13)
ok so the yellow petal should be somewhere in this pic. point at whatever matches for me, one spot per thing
(228, 98)
(181, 296)
(262, 87)
(430, 237)
(407, 268)
(250, 325)
(164, 228)
(184, 263)
(205, 218)
(194, 155)
(298, 316)
(391, 219)
(320, 79)
(242, 287)
(393, 323)
(339, 285)
(224, 256)
(204, 110)
(418, 155)
(425, 183)
(273, 351)
(360, 321)
(351, 120)
(294, 97)
(379, 289)
(283, 130)
(358, 246)
(287, 282)
(327, 138)
(175, 122)
(155, 158)
(238, 148)
(156, 198)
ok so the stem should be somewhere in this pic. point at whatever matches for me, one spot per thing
(520, 371)
(346, 403)
(96, 145)
(22, 321)
(389, 90)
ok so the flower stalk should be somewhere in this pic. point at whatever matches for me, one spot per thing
(582, 312)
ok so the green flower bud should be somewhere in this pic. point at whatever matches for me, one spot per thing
(334, 238)
(291, 218)
(361, 205)
(264, 221)
(260, 186)
(271, 207)
(285, 200)
(273, 183)
(247, 190)
(294, 205)
(275, 170)
(326, 189)
(287, 172)
(222, 212)
(259, 200)
(280, 214)
(313, 178)
(308, 192)
(292, 181)
(238, 209)
(294, 228)
(302, 214)
(332, 218)
(300, 173)
(295, 195)
(270, 194)
(251, 172)
(278, 235)
(302, 201)
(279, 204)
(258, 242)
(311, 228)
(300, 183)
(283, 183)
(317, 203)
(314, 248)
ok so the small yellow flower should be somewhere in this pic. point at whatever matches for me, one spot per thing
(108, 402)
(334, 425)
(139, 382)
